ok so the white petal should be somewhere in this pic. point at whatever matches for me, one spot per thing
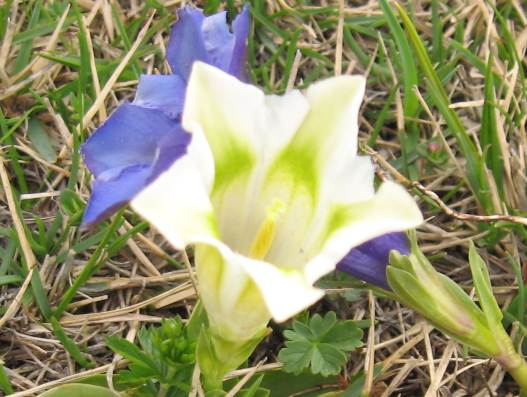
(315, 161)
(327, 134)
(391, 209)
(332, 122)
(235, 307)
(177, 204)
(200, 153)
(244, 129)
(284, 292)
(240, 123)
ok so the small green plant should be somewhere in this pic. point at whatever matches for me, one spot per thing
(164, 363)
(321, 344)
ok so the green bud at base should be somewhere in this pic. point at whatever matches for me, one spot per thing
(416, 283)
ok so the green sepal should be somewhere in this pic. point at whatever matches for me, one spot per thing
(463, 299)
(198, 320)
(409, 291)
(216, 356)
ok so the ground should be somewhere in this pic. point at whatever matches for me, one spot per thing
(448, 122)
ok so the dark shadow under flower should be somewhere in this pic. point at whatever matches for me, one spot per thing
(369, 260)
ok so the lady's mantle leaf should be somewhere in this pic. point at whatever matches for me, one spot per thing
(321, 345)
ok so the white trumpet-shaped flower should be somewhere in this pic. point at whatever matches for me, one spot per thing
(271, 193)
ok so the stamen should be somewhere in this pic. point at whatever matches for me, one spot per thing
(266, 233)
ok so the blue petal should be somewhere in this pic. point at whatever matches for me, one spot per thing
(195, 37)
(130, 136)
(186, 42)
(218, 41)
(163, 92)
(109, 195)
(240, 27)
(126, 153)
(369, 260)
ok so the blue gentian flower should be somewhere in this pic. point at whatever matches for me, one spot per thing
(143, 138)
(368, 261)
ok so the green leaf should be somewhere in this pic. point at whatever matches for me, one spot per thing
(321, 325)
(321, 345)
(41, 140)
(410, 75)
(284, 384)
(345, 335)
(71, 202)
(327, 360)
(296, 356)
(129, 351)
(79, 390)
(480, 276)
(254, 390)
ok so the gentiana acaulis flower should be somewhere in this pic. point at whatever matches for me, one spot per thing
(271, 194)
(141, 139)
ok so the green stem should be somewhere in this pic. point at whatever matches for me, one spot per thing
(519, 374)
(162, 391)
(212, 383)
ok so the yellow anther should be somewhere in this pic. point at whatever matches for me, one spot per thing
(266, 233)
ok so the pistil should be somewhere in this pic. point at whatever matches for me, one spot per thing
(267, 231)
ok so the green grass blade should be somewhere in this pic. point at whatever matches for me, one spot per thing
(476, 174)
(490, 142)
(91, 266)
(68, 344)
(4, 381)
(410, 77)
(410, 73)
(381, 116)
(437, 34)
(26, 49)
(291, 51)
(40, 296)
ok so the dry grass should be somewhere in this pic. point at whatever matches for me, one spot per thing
(140, 283)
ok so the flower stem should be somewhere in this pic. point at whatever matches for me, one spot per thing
(520, 376)
(162, 391)
(512, 361)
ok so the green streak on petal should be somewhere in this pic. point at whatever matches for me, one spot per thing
(341, 215)
(209, 264)
(232, 160)
(212, 223)
(296, 165)
(338, 217)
